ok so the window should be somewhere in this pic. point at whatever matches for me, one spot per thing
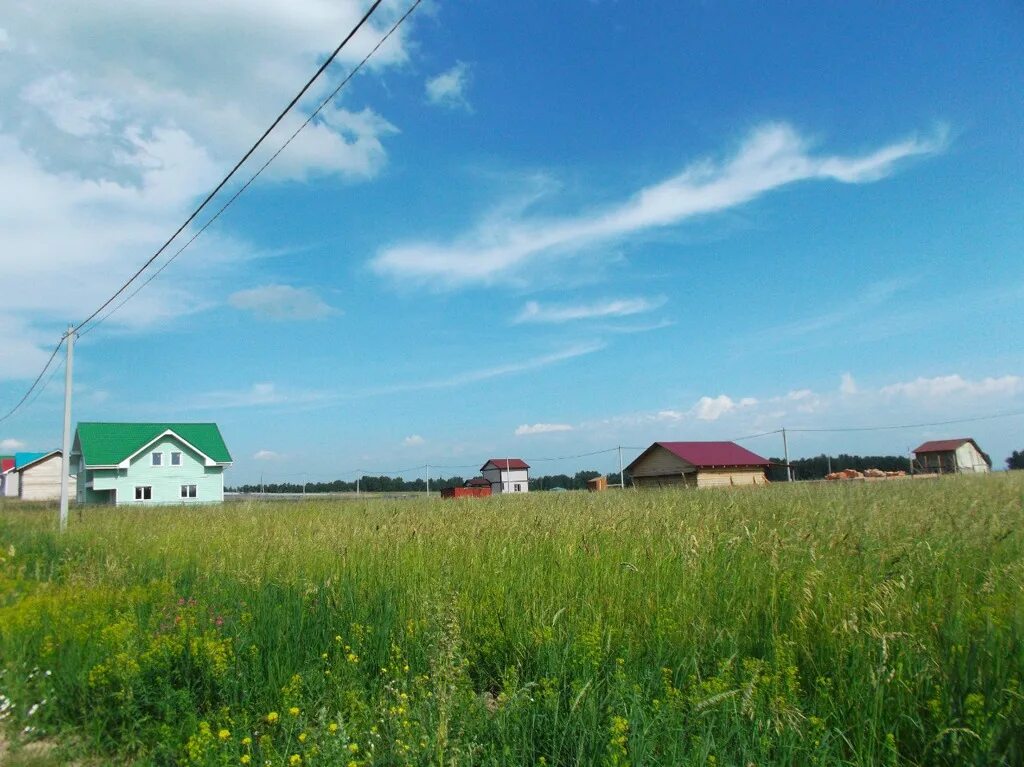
(175, 459)
(188, 491)
(143, 493)
(518, 488)
(158, 459)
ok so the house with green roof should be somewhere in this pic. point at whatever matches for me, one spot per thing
(149, 463)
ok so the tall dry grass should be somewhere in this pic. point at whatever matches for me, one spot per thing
(809, 624)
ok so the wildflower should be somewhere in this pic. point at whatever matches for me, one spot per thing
(294, 711)
(352, 658)
(246, 740)
(353, 747)
(337, 638)
(245, 759)
(332, 727)
(272, 717)
(294, 759)
(302, 737)
(224, 734)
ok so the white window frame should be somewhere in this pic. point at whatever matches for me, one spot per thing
(156, 458)
(175, 454)
(141, 491)
(517, 488)
(189, 491)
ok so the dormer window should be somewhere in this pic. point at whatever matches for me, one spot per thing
(158, 459)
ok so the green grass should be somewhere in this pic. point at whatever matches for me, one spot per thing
(860, 624)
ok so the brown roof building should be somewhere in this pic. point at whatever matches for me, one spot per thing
(697, 464)
(952, 456)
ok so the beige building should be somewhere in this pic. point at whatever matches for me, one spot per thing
(952, 456)
(39, 479)
(697, 464)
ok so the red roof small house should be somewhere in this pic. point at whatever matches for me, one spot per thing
(697, 464)
(507, 475)
(952, 456)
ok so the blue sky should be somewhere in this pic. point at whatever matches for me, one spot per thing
(535, 229)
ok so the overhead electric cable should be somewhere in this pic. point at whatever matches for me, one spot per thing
(262, 168)
(950, 422)
(238, 165)
(35, 383)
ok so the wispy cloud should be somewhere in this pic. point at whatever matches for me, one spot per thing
(11, 445)
(533, 311)
(413, 440)
(281, 302)
(771, 157)
(266, 455)
(267, 394)
(449, 88)
(541, 428)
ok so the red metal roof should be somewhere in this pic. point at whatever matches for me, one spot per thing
(478, 482)
(6, 462)
(506, 463)
(708, 454)
(944, 445)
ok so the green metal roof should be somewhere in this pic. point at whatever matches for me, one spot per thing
(107, 444)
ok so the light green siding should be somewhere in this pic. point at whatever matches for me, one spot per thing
(166, 480)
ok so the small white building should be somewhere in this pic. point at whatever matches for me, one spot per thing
(9, 482)
(39, 478)
(952, 456)
(507, 475)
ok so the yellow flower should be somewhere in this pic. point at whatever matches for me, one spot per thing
(294, 711)
(294, 759)
(332, 727)
(272, 717)
(302, 737)
(352, 658)
(353, 747)
(224, 734)
(245, 759)
(337, 638)
(246, 740)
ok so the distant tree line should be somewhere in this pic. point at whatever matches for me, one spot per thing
(803, 468)
(1016, 460)
(818, 466)
(382, 484)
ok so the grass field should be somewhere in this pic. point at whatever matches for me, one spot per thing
(863, 624)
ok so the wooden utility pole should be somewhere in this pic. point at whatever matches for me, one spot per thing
(69, 340)
(785, 452)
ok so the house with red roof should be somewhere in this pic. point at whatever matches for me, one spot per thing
(697, 464)
(951, 456)
(507, 475)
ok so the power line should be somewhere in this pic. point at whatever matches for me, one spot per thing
(238, 165)
(950, 422)
(262, 168)
(35, 383)
(762, 434)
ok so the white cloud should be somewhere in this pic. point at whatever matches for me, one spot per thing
(955, 387)
(449, 88)
(114, 118)
(413, 440)
(771, 157)
(847, 385)
(11, 445)
(281, 302)
(533, 311)
(269, 394)
(266, 455)
(713, 408)
(541, 428)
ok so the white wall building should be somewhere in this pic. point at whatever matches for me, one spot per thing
(952, 456)
(39, 479)
(507, 475)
